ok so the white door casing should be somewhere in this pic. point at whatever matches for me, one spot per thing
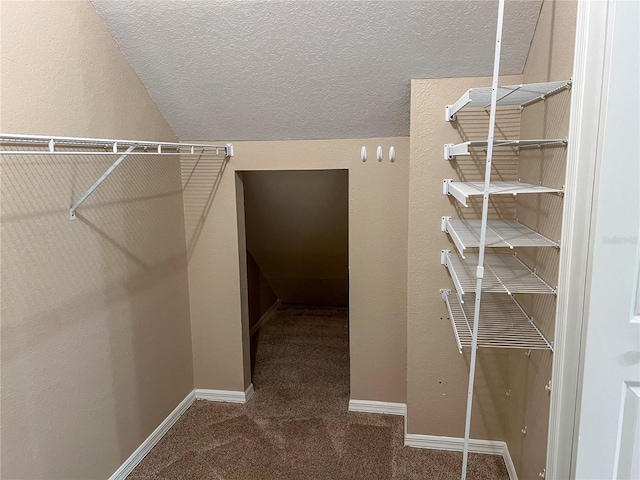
(608, 410)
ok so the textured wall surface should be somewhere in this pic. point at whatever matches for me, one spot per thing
(377, 264)
(298, 231)
(550, 59)
(306, 69)
(96, 344)
(437, 375)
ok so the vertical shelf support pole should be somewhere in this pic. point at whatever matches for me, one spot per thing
(483, 236)
(72, 210)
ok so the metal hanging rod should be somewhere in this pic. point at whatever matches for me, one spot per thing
(46, 145)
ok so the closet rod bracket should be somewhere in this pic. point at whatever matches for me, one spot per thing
(72, 210)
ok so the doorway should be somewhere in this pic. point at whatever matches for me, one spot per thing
(296, 226)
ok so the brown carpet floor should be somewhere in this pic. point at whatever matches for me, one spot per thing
(297, 425)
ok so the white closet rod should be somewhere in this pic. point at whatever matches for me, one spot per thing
(123, 148)
(483, 236)
(48, 144)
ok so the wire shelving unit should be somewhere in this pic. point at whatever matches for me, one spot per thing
(483, 310)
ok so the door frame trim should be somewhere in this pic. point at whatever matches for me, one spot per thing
(588, 101)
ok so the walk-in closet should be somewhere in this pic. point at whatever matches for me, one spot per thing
(320, 239)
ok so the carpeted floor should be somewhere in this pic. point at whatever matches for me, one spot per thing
(297, 425)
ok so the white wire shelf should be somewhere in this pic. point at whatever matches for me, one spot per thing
(502, 274)
(500, 233)
(509, 95)
(463, 190)
(452, 150)
(502, 323)
(54, 145)
(50, 145)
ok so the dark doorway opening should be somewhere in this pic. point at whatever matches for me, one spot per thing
(297, 238)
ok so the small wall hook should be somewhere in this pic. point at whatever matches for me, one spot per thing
(392, 153)
(379, 153)
(363, 153)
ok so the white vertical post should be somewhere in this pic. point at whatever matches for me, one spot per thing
(483, 235)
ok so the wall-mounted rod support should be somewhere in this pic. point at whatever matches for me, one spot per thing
(72, 211)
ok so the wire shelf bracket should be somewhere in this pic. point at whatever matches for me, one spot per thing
(500, 233)
(451, 151)
(54, 145)
(461, 191)
(510, 95)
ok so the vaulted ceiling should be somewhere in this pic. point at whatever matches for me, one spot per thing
(263, 70)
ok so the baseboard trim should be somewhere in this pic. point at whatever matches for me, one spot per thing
(225, 395)
(265, 316)
(372, 406)
(136, 457)
(453, 444)
(456, 444)
(508, 461)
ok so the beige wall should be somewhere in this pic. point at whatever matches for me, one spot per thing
(96, 345)
(377, 260)
(297, 225)
(550, 59)
(260, 294)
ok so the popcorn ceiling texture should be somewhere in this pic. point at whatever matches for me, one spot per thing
(307, 70)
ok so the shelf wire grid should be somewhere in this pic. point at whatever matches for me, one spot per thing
(503, 323)
(522, 95)
(503, 274)
(500, 233)
(463, 190)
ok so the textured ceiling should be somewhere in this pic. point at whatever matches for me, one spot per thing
(266, 70)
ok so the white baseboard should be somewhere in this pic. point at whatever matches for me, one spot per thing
(136, 457)
(198, 394)
(372, 406)
(225, 395)
(455, 444)
(508, 461)
(265, 316)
